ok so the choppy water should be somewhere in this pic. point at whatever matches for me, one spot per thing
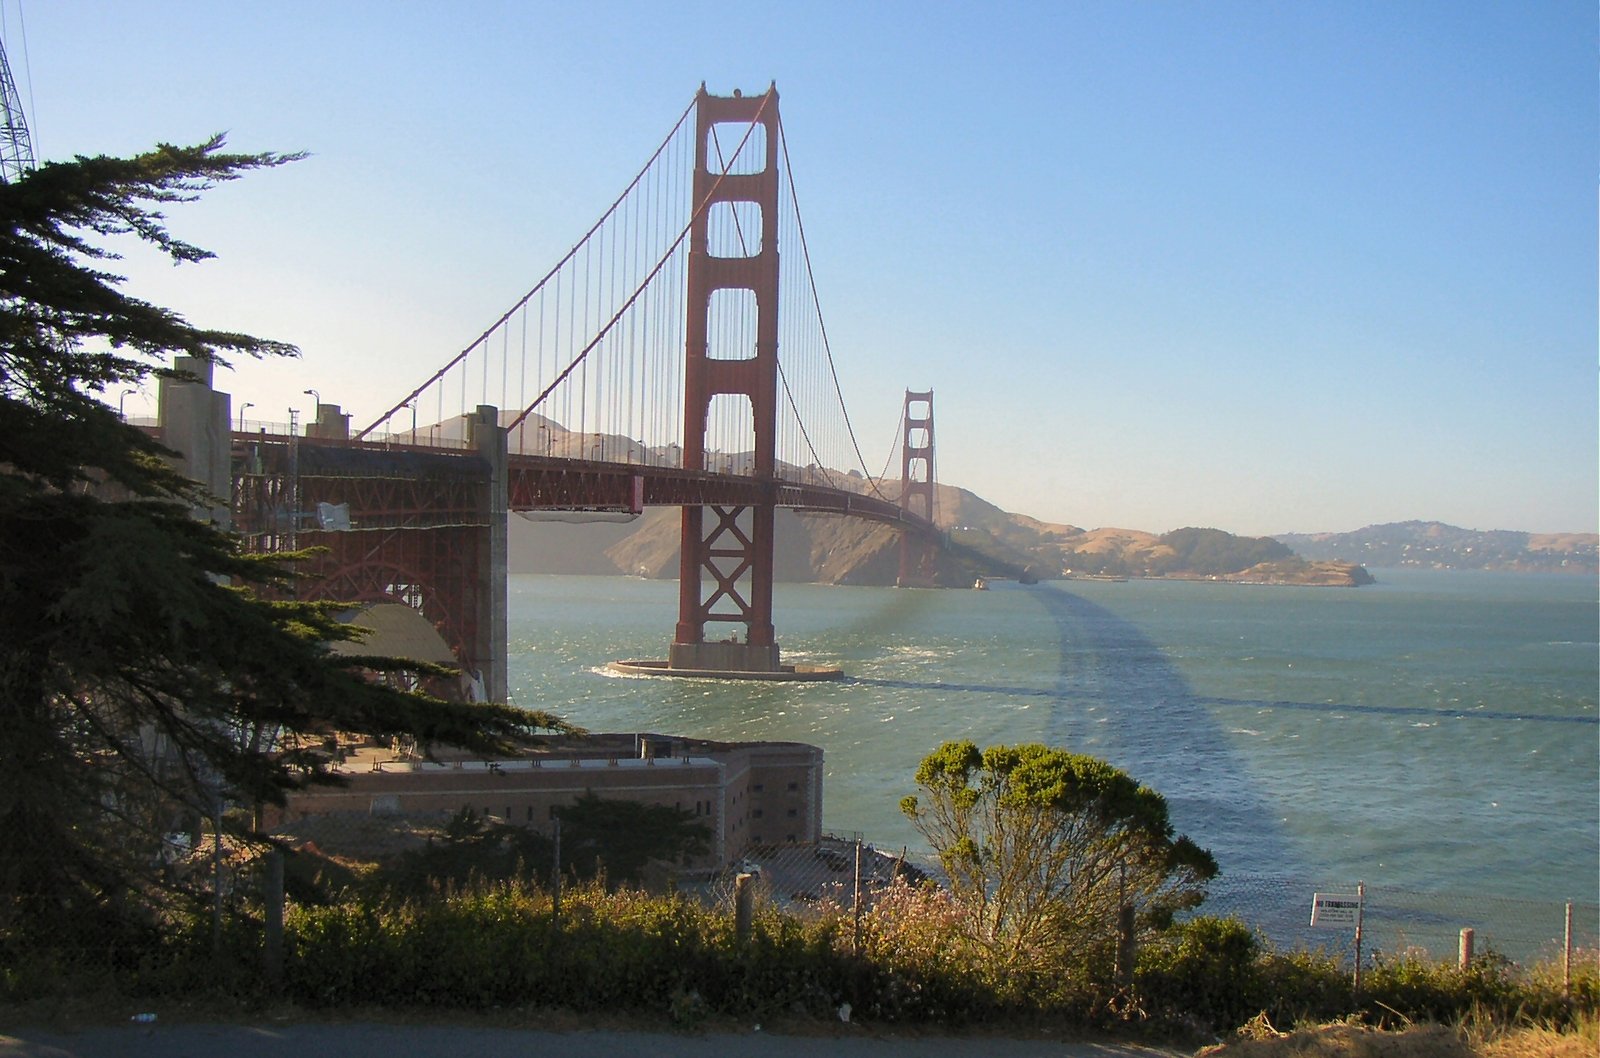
(1437, 731)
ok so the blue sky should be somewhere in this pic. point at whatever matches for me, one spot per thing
(1267, 267)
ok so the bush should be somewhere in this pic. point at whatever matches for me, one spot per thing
(1303, 987)
(1207, 969)
(500, 944)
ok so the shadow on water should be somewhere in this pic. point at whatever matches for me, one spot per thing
(1117, 697)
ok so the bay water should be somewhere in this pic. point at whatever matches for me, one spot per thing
(1436, 732)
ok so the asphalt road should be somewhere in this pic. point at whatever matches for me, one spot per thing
(455, 1041)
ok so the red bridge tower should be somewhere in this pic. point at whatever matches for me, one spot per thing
(732, 556)
(917, 554)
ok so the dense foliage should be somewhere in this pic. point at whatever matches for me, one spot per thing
(617, 843)
(1045, 849)
(674, 959)
(146, 675)
(617, 840)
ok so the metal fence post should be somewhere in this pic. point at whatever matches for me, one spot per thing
(855, 899)
(1361, 914)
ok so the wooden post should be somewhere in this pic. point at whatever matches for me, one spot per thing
(273, 954)
(1464, 951)
(743, 907)
(1566, 957)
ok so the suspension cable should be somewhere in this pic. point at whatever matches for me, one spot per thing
(462, 355)
(805, 251)
(671, 250)
(895, 446)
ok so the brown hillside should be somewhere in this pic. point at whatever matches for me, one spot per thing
(984, 540)
(1563, 542)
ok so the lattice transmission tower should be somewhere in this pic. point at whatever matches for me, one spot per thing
(16, 149)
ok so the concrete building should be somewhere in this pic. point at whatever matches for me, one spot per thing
(750, 794)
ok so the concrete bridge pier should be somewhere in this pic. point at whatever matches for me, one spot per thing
(194, 422)
(489, 439)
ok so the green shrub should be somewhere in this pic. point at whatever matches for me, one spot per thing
(1207, 969)
(1492, 991)
(669, 957)
(1303, 987)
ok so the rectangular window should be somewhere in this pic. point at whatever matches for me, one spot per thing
(794, 786)
(793, 812)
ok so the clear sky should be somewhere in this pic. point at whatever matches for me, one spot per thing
(1261, 266)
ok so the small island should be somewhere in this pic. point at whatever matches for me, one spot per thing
(1204, 554)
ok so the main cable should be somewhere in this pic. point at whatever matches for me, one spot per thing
(462, 355)
(671, 251)
(805, 252)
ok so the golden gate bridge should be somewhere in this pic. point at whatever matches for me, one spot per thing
(666, 359)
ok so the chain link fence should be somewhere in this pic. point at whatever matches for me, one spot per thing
(1396, 921)
(1399, 921)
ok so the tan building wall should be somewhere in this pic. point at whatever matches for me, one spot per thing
(748, 793)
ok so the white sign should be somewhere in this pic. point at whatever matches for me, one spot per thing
(1335, 909)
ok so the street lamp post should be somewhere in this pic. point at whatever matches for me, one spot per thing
(120, 400)
(412, 404)
(316, 415)
(544, 428)
(242, 407)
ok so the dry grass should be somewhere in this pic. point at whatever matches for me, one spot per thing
(1582, 1041)
(1259, 1039)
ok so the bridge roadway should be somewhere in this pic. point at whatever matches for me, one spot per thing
(426, 525)
(546, 483)
(372, 478)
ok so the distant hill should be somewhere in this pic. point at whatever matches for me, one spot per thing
(982, 541)
(1434, 545)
